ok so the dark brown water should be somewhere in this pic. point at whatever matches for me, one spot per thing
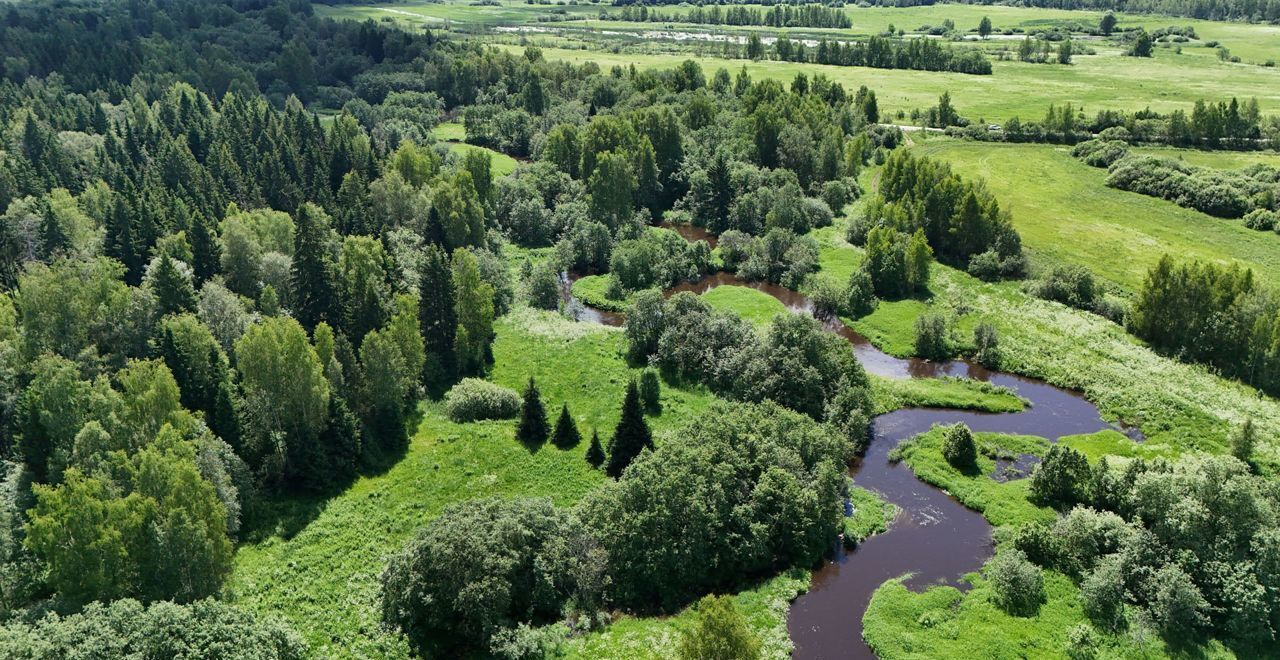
(935, 539)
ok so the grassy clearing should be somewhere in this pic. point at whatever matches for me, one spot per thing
(591, 290)
(757, 307)
(319, 566)
(1222, 160)
(1066, 214)
(871, 515)
(450, 131)
(502, 163)
(764, 607)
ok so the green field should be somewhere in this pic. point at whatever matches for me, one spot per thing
(1105, 81)
(1066, 214)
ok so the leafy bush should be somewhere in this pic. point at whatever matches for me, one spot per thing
(932, 341)
(1101, 152)
(1017, 584)
(1061, 478)
(473, 399)
(958, 447)
(128, 629)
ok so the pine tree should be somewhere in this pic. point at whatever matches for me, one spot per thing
(595, 453)
(314, 273)
(174, 294)
(52, 234)
(438, 319)
(533, 428)
(632, 435)
(566, 434)
(205, 251)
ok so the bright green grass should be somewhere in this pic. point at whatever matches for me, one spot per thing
(1108, 442)
(764, 607)
(450, 131)
(871, 515)
(320, 569)
(1002, 503)
(1178, 404)
(502, 163)
(1104, 81)
(958, 393)
(754, 306)
(591, 290)
(1066, 214)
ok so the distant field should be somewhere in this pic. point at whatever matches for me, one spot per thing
(1105, 81)
(1066, 214)
(1252, 42)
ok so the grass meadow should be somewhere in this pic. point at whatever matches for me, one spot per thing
(1066, 213)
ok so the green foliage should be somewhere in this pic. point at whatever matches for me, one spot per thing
(566, 435)
(1061, 478)
(651, 391)
(153, 529)
(932, 337)
(127, 628)
(475, 314)
(631, 436)
(544, 289)
(480, 567)
(1017, 584)
(721, 633)
(473, 399)
(595, 453)
(533, 428)
(959, 448)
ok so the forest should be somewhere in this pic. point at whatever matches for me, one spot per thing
(293, 365)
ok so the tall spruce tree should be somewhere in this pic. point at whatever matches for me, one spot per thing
(566, 434)
(533, 428)
(438, 319)
(595, 453)
(206, 254)
(632, 435)
(174, 294)
(315, 289)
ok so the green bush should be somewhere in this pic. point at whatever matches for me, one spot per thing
(958, 446)
(473, 399)
(1017, 584)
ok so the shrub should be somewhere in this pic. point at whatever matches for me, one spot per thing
(473, 399)
(1102, 152)
(650, 391)
(931, 337)
(859, 297)
(128, 629)
(1061, 477)
(1261, 220)
(958, 446)
(1102, 594)
(1017, 585)
(480, 567)
(721, 633)
(1070, 285)
(987, 344)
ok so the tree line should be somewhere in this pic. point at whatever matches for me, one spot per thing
(781, 15)
(877, 52)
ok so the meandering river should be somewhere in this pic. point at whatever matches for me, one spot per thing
(934, 538)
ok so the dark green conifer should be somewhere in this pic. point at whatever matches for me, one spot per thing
(533, 428)
(566, 434)
(595, 453)
(174, 294)
(632, 435)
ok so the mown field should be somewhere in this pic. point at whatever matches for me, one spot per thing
(1066, 214)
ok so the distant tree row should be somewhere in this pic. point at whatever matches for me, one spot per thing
(877, 52)
(781, 15)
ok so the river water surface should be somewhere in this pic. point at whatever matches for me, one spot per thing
(935, 539)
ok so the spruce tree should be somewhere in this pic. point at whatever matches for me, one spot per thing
(438, 319)
(205, 252)
(52, 234)
(595, 453)
(174, 294)
(533, 428)
(314, 272)
(632, 435)
(566, 434)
